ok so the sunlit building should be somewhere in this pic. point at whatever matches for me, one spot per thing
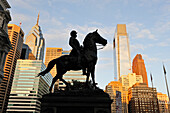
(16, 36)
(111, 89)
(5, 44)
(163, 102)
(138, 67)
(35, 41)
(52, 53)
(130, 79)
(27, 89)
(142, 99)
(122, 60)
(25, 52)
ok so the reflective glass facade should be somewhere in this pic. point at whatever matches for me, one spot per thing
(122, 62)
(27, 88)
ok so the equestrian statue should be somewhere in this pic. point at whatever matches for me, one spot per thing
(84, 58)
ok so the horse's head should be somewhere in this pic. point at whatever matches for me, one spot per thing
(98, 39)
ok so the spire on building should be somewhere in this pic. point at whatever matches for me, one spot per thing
(38, 18)
(20, 24)
(35, 41)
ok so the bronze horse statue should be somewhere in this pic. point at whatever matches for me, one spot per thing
(88, 60)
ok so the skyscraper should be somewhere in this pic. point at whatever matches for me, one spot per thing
(111, 89)
(35, 41)
(52, 53)
(25, 52)
(122, 62)
(163, 102)
(142, 99)
(5, 44)
(27, 88)
(138, 67)
(16, 37)
(130, 79)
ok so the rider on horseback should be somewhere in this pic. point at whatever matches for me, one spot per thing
(76, 51)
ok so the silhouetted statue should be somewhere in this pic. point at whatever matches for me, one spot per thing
(77, 50)
(69, 62)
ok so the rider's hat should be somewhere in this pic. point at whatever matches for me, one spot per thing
(73, 32)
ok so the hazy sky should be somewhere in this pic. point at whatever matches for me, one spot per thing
(148, 26)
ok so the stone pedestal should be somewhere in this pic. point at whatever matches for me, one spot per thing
(76, 101)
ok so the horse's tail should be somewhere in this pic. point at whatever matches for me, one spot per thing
(51, 64)
(49, 67)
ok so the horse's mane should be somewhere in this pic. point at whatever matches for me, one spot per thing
(87, 39)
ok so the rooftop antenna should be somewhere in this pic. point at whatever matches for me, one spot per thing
(20, 24)
(38, 18)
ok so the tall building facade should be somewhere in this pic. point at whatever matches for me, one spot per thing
(142, 99)
(52, 53)
(138, 67)
(5, 44)
(16, 37)
(27, 88)
(130, 79)
(25, 52)
(35, 41)
(163, 102)
(122, 60)
(111, 89)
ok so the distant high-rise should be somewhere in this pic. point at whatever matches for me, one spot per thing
(111, 89)
(25, 52)
(130, 79)
(35, 41)
(27, 88)
(122, 62)
(16, 37)
(52, 53)
(142, 99)
(163, 102)
(5, 44)
(138, 67)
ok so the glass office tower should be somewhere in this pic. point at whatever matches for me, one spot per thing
(27, 88)
(122, 60)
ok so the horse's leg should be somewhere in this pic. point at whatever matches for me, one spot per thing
(59, 75)
(49, 67)
(93, 76)
(53, 82)
(88, 75)
(66, 83)
(87, 78)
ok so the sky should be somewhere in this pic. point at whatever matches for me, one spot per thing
(147, 22)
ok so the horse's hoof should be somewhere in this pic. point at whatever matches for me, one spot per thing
(38, 75)
(42, 74)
